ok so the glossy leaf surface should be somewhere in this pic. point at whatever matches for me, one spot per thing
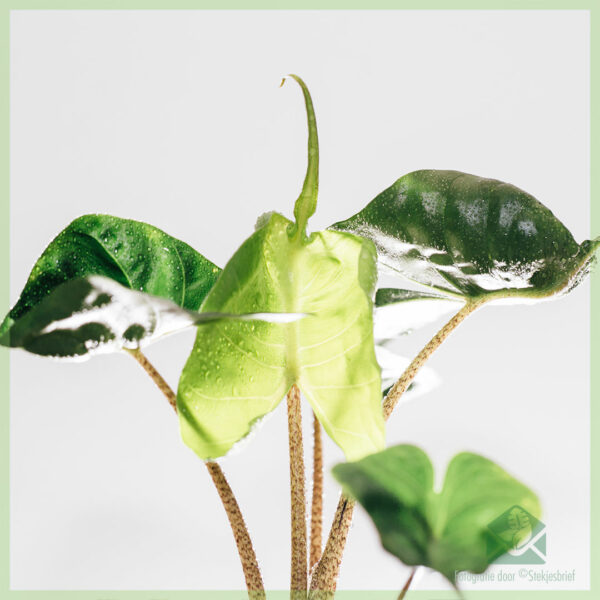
(446, 531)
(239, 372)
(134, 254)
(94, 315)
(469, 236)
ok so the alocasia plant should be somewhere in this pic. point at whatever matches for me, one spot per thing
(293, 312)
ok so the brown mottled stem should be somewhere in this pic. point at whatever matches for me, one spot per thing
(407, 585)
(299, 575)
(316, 515)
(409, 374)
(325, 575)
(158, 379)
(324, 579)
(254, 582)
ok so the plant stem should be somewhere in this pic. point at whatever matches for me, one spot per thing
(326, 573)
(299, 575)
(158, 379)
(325, 576)
(409, 374)
(254, 583)
(407, 585)
(316, 517)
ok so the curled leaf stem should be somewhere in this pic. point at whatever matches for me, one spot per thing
(325, 575)
(306, 203)
(254, 583)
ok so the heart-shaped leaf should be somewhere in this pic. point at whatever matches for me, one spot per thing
(446, 531)
(97, 315)
(135, 255)
(239, 372)
(471, 237)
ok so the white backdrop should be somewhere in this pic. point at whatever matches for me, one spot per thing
(176, 118)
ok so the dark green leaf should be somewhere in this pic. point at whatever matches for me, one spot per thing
(470, 237)
(135, 255)
(93, 315)
(446, 531)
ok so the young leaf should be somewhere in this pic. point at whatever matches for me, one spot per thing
(238, 372)
(94, 315)
(306, 204)
(136, 255)
(398, 312)
(469, 237)
(446, 531)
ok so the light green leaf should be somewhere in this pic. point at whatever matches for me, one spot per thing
(239, 372)
(307, 201)
(446, 531)
(97, 315)
(470, 237)
(135, 255)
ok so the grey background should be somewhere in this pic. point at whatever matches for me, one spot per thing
(175, 118)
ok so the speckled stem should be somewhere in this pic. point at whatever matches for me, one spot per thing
(325, 575)
(316, 516)
(409, 374)
(254, 583)
(324, 580)
(162, 385)
(299, 574)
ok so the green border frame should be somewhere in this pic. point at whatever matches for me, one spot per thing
(593, 6)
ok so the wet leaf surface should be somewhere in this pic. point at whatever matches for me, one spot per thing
(468, 236)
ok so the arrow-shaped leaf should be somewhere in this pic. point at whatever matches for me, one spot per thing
(97, 315)
(446, 531)
(133, 254)
(468, 236)
(238, 372)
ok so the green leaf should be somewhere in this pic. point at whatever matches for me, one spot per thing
(93, 315)
(136, 255)
(399, 311)
(306, 204)
(239, 372)
(471, 237)
(446, 531)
